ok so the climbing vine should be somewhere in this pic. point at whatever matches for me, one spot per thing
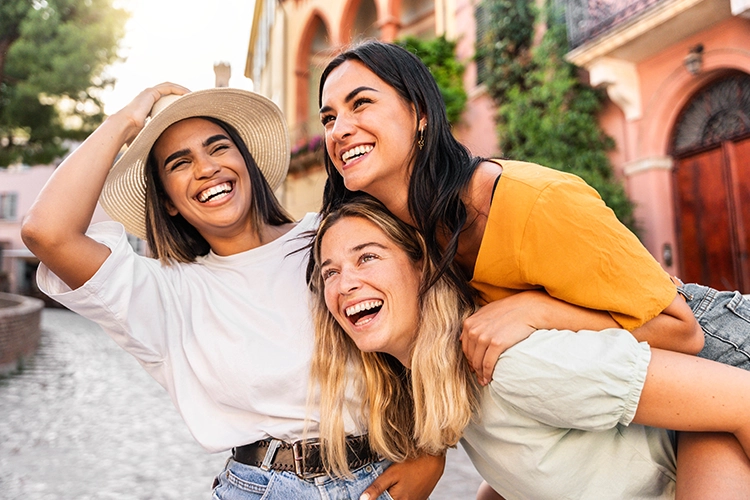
(546, 113)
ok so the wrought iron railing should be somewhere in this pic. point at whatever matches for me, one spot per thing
(587, 19)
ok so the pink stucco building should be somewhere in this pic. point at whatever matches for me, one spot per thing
(678, 76)
(19, 187)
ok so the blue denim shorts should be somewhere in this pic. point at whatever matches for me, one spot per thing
(725, 320)
(244, 482)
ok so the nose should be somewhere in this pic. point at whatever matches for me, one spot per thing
(205, 166)
(348, 281)
(342, 128)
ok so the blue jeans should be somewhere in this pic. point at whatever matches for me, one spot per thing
(725, 320)
(244, 482)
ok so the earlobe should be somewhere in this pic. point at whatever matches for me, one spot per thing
(171, 209)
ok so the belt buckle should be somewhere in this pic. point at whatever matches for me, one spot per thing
(298, 451)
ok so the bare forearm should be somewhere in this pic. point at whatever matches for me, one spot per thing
(692, 394)
(67, 202)
(675, 329)
(557, 314)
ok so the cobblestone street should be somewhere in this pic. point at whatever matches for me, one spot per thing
(85, 421)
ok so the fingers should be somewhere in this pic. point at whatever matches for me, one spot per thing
(379, 486)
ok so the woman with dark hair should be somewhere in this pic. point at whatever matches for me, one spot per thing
(539, 247)
(566, 415)
(219, 317)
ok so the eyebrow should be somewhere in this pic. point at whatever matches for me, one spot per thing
(351, 95)
(183, 152)
(356, 249)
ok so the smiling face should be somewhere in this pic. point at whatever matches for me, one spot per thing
(370, 132)
(371, 287)
(205, 178)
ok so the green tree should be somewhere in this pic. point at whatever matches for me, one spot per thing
(439, 55)
(52, 53)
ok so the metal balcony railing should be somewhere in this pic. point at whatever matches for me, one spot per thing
(587, 19)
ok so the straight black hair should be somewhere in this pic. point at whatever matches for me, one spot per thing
(442, 168)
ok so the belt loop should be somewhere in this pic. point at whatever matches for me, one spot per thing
(273, 445)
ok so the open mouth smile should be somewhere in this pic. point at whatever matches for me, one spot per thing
(215, 192)
(355, 152)
(364, 312)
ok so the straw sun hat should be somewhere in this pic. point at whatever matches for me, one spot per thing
(258, 121)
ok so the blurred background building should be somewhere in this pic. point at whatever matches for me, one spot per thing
(675, 71)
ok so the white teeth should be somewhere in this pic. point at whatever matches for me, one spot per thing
(214, 191)
(355, 152)
(363, 306)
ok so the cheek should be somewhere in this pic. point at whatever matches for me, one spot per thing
(330, 299)
(330, 150)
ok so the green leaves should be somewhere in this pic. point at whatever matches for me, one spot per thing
(56, 51)
(439, 55)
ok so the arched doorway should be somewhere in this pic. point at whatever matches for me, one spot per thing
(711, 148)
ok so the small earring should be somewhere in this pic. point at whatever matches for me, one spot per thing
(420, 142)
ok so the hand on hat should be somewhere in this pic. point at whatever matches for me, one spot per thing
(139, 108)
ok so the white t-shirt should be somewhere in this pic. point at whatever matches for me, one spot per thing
(230, 338)
(556, 421)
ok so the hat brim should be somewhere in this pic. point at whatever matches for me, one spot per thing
(259, 122)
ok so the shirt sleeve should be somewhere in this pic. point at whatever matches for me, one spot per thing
(583, 380)
(123, 296)
(574, 246)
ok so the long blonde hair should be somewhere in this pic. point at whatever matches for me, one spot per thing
(409, 411)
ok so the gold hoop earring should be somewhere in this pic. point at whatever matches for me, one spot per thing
(420, 142)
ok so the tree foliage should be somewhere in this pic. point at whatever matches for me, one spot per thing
(548, 115)
(52, 53)
(439, 55)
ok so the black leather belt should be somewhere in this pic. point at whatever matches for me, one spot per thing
(301, 457)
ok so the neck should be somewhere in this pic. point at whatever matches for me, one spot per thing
(247, 239)
(397, 202)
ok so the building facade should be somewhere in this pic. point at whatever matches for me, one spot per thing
(678, 76)
(676, 73)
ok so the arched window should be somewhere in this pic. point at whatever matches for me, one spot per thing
(720, 112)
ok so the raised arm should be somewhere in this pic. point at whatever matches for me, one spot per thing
(687, 393)
(55, 226)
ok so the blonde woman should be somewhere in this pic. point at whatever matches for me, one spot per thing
(566, 415)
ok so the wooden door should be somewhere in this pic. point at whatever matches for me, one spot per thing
(714, 216)
(711, 146)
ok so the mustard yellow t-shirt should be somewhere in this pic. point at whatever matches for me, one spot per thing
(549, 229)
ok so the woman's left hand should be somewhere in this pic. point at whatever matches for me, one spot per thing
(412, 479)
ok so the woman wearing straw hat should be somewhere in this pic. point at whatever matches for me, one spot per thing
(221, 319)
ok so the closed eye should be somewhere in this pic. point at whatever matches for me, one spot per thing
(178, 164)
(219, 148)
(360, 101)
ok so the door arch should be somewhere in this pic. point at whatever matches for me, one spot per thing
(711, 148)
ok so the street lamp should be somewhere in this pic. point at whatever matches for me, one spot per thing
(693, 62)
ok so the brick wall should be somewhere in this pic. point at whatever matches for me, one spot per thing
(20, 329)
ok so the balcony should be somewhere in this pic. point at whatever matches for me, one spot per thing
(587, 19)
(633, 31)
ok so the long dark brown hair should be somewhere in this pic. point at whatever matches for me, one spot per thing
(442, 168)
